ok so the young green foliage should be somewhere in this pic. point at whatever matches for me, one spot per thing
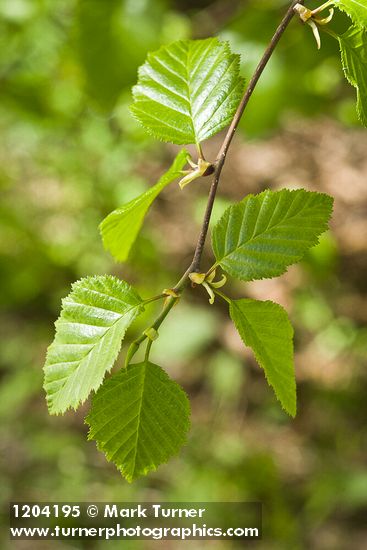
(263, 234)
(266, 329)
(356, 9)
(353, 49)
(139, 419)
(120, 228)
(93, 321)
(188, 91)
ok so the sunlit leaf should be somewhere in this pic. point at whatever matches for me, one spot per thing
(353, 48)
(93, 321)
(356, 9)
(188, 91)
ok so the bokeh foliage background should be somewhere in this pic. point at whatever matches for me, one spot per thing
(70, 153)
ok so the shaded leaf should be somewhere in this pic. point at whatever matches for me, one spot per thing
(353, 49)
(93, 321)
(188, 91)
(139, 419)
(266, 329)
(262, 235)
(120, 228)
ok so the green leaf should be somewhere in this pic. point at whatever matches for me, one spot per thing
(188, 91)
(353, 49)
(356, 9)
(266, 329)
(93, 321)
(120, 228)
(262, 235)
(139, 419)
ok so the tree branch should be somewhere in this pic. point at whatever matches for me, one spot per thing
(221, 158)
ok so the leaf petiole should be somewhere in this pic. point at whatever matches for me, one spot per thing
(147, 350)
(200, 151)
(222, 295)
(154, 298)
(134, 346)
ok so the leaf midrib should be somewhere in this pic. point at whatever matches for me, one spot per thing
(250, 329)
(189, 92)
(139, 421)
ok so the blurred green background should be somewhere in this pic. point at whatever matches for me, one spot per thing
(70, 153)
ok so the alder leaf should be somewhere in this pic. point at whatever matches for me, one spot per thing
(353, 49)
(93, 321)
(121, 227)
(188, 91)
(266, 329)
(356, 9)
(262, 235)
(139, 419)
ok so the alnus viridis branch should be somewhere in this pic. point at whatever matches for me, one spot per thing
(206, 168)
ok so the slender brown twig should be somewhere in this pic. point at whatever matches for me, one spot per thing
(219, 163)
(222, 155)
